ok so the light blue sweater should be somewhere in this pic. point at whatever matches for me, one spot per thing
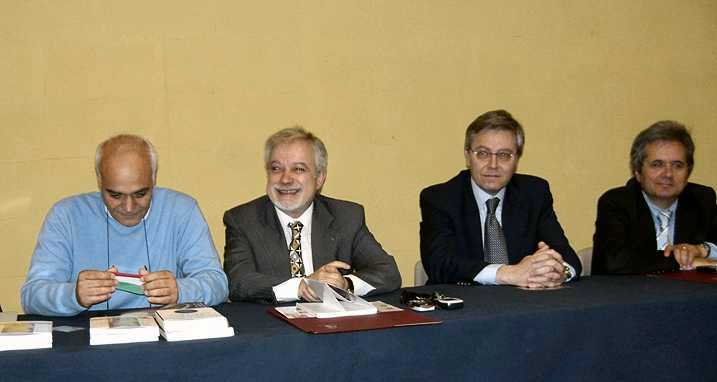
(79, 234)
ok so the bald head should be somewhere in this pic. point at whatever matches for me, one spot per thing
(126, 144)
(126, 167)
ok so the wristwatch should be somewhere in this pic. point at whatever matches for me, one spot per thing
(566, 271)
(707, 249)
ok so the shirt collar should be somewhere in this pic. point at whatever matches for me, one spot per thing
(144, 218)
(481, 196)
(305, 218)
(655, 209)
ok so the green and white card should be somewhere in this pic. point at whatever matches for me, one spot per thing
(130, 284)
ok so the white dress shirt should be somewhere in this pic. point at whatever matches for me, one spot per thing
(289, 289)
(488, 275)
(655, 212)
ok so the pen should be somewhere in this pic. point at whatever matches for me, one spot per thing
(127, 275)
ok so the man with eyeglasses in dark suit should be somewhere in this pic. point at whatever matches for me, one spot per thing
(658, 221)
(489, 225)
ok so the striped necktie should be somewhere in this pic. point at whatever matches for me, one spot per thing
(663, 234)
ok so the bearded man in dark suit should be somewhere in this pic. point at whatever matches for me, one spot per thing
(293, 232)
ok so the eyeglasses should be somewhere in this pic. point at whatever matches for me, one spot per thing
(485, 155)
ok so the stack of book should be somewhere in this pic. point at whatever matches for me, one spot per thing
(123, 329)
(191, 321)
(20, 335)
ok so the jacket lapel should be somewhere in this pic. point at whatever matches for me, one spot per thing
(323, 236)
(514, 221)
(643, 216)
(471, 217)
(687, 219)
(273, 239)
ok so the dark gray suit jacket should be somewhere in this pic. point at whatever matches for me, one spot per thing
(256, 257)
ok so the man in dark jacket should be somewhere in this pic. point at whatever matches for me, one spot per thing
(489, 225)
(657, 221)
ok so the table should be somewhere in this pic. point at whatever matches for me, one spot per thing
(596, 329)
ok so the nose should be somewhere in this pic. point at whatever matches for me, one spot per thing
(286, 177)
(668, 171)
(493, 160)
(128, 204)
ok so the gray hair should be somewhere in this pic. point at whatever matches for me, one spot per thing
(496, 120)
(130, 140)
(296, 133)
(661, 131)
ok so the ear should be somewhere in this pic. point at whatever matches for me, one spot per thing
(636, 174)
(320, 180)
(467, 155)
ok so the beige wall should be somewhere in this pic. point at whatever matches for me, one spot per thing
(390, 86)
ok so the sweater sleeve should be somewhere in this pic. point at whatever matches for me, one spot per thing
(200, 276)
(49, 289)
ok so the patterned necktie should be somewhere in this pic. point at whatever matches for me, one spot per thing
(496, 251)
(295, 260)
(663, 235)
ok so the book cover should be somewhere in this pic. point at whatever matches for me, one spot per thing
(382, 320)
(123, 329)
(19, 335)
(191, 321)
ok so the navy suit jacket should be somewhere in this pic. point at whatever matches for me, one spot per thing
(451, 240)
(256, 256)
(624, 240)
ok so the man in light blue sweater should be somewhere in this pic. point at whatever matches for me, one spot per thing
(129, 226)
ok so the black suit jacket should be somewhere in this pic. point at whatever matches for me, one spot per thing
(624, 240)
(451, 240)
(256, 256)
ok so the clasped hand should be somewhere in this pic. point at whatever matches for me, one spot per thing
(543, 269)
(687, 255)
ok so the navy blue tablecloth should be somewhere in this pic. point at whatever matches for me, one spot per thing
(629, 328)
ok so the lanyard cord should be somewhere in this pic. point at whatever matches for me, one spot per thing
(107, 236)
(146, 247)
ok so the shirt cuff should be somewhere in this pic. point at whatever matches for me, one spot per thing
(75, 305)
(488, 274)
(713, 251)
(288, 290)
(361, 288)
(180, 294)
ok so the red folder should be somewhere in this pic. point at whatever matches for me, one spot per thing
(694, 276)
(381, 320)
